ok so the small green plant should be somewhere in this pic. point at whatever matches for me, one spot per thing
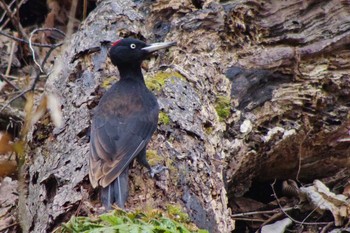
(156, 82)
(163, 118)
(153, 157)
(108, 82)
(223, 107)
(175, 212)
(125, 222)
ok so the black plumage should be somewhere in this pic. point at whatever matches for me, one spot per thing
(123, 123)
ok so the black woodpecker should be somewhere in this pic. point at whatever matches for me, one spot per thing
(123, 122)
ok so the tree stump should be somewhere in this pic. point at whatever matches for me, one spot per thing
(282, 116)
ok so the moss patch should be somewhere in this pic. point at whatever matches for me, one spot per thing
(223, 107)
(175, 212)
(156, 82)
(107, 83)
(163, 118)
(153, 221)
(153, 158)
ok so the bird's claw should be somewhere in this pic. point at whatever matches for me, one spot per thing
(157, 169)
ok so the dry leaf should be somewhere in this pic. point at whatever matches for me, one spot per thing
(323, 199)
(5, 143)
(7, 167)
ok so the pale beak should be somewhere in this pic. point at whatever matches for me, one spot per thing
(156, 46)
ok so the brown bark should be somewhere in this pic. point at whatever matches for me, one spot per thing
(301, 118)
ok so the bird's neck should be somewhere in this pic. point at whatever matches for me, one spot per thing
(131, 72)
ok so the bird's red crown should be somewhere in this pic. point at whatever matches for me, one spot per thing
(116, 43)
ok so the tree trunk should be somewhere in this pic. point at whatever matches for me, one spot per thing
(285, 110)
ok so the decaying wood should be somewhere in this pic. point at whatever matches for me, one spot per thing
(297, 133)
(288, 129)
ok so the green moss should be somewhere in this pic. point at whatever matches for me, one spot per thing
(121, 221)
(163, 118)
(223, 107)
(156, 82)
(153, 158)
(175, 212)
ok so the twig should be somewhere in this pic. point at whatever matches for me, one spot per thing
(85, 9)
(35, 44)
(309, 215)
(5, 24)
(17, 12)
(249, 219)
(3, 77)
(72, 12)
(262, 212)
(42, 64)
(8, 226)
(31, 88)
(326, 228)
(271, 219)
(9, 62)
(4, 13)
(13, 13)
(47, 54)
(33, 51)
(300, 154)
(290, 217)
(14, 98)
(14, 20)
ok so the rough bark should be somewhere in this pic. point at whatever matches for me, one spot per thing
(288, 106)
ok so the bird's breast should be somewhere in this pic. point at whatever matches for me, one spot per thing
(125, 101)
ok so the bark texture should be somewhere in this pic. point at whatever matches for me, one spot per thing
(285, 109)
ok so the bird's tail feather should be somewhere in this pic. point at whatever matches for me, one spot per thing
(116, 192)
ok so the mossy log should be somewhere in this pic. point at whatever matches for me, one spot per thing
(289, 104)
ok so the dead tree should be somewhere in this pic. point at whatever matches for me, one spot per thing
(283, 115)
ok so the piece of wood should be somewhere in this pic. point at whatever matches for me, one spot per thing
(292, 132)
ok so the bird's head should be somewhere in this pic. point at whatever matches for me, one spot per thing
(132, 51)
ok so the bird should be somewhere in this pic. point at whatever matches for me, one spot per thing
(123, 122)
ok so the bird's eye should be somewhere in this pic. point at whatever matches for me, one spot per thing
(133, 46)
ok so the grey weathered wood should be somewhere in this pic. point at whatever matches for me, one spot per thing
(301, 118)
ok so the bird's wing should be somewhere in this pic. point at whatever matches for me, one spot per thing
(118, 134)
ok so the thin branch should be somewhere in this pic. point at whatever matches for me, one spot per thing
(249, 219)
(33, 51)
(10, 59)
(290, 217)
(3, 77)
(262, 212)
(14, 98)
(85, 9)
(326, 228)
(13, 13)
(4, 13)
(52, 47)
(8, 226)
(35, 44)
(5, 23)
(14, 20)
(72, 19)
(300, 152)
(42, 64)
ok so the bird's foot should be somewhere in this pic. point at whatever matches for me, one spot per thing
(157, 169)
